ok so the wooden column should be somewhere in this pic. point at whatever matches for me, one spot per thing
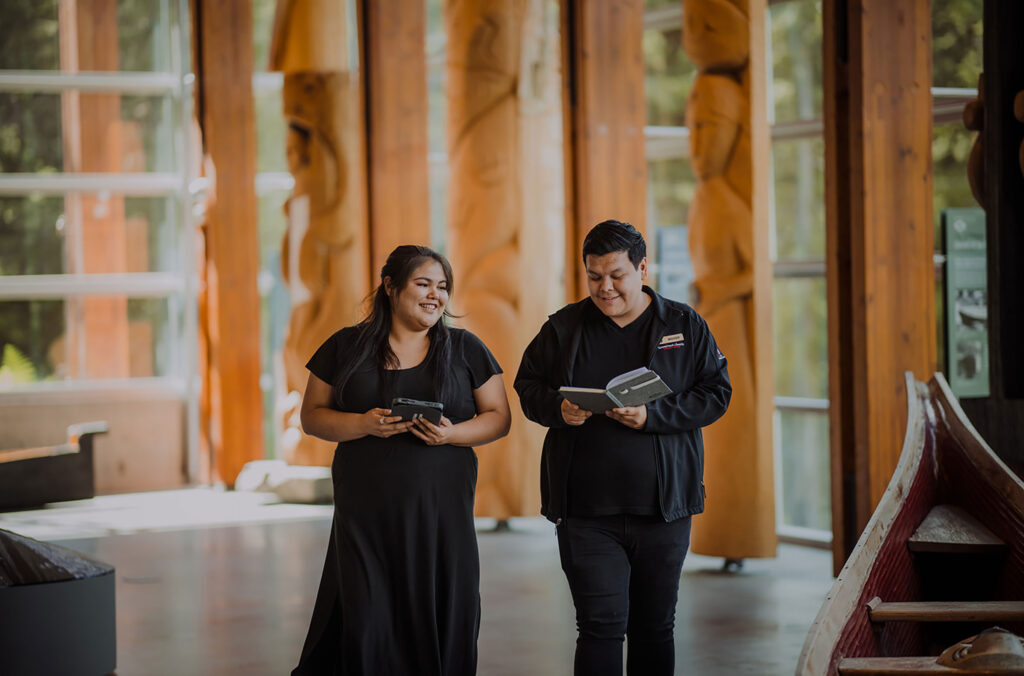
(394, 36)
(606, 111)
(223, 35)
(999, 418)
(505, 208)
(729, 246)
(880, 272)
(325, 254)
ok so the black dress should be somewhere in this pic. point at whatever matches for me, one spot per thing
(400, 588)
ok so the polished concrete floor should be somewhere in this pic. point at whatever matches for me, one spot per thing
(224, 583)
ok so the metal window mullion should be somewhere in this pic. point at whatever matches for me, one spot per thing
(790, 269)
(814, 405)
(55, 82)
(76, 285)
(144, 184)
(188, 362)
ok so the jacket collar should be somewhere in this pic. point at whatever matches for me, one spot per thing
(570, 316)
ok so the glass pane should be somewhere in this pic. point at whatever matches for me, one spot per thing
(115, 133)
(670, 186)
(951, 145)
(262, 31)
(801, 337)
(956, 42)
(669, 75)
(803, 448)
(437, 108)
(96, 337)
(795, 49)
(799, 199)
(275, 310)
(270, 131)
(659, 4)
(438, 180)
(31, 333)
(88, 233)
(30, 36)
(30, 132)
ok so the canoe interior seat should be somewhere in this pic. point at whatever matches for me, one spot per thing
(946, 611)
(950, 530)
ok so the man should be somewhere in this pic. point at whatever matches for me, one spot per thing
(621, 486)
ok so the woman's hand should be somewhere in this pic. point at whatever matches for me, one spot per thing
(633, 417)
(573, 414)
(431, 434)
(380, 423)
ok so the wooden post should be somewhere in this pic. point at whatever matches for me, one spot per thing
(505, 209)
(729, 245)
(325, 254)
(394, 36)
(607, 109)
(880, 271)
(223, 34)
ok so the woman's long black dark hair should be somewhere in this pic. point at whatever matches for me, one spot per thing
(372, 345)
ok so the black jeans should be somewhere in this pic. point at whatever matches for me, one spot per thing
(623, 572)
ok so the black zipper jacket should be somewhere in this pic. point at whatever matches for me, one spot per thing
(682, 352)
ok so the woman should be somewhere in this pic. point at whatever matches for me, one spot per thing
(400, 587)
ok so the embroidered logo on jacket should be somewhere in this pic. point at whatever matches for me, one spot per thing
(672, 341)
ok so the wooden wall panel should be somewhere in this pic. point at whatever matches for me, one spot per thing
(880, 273)
(394, 36)
(607, 109)
(223, 34)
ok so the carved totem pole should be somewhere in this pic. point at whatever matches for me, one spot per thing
(505, 209)
(740, 517)
(325, 252)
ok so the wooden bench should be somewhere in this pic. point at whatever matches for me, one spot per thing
(31, 477)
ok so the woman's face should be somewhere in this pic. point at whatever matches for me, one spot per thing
(420, 303)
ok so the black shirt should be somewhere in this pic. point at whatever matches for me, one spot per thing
(613, 467)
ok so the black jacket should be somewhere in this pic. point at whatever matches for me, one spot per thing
(694, 369)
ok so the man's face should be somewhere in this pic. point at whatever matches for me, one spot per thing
(616, 287)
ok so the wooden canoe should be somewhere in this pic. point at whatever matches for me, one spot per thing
(941, 559)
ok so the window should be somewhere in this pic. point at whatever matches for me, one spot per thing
(96, 255)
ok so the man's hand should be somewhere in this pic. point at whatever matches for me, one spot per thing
(573, 414)
(633, 417)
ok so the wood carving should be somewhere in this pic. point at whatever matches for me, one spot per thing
(994, 648)
(325, 251)
(974, 119)
(739, 518)
(501, 89)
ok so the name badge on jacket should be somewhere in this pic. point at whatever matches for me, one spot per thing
(671, 341)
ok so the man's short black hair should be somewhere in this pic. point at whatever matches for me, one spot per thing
(610, 236)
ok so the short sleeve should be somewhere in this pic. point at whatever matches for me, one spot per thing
(479, 360)
(324, 362)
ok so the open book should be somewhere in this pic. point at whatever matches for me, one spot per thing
(633, 388)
